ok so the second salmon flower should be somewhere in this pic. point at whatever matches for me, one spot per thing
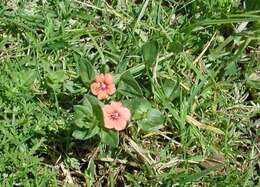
(116, 116)
(103, 86)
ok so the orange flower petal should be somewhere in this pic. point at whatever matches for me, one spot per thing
(125, 113)
(102, 95)
(100, 78)
(95, 88)
(108, 79)
(108, 123)
(120, 124)
(111, 89)
(116, 105)
(107, 109)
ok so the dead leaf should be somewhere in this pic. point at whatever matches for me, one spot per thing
(200, 125)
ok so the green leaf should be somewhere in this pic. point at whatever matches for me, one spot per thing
(110, 137)
(84, 134)
(96, 108)
(137, 104)
(80, 135)
(138, 107)
(87, 105)
(55, 45)
(170, 89)
(92, 132)
(79, 122)
(86, 71)
(72, 163)
(56, 77)
(90, 172)
(198, 175)
(28, 77)
(153, 121)
(83, 110)
(252, 4)
(231, 69)
(253, 81)
(128, 86)
(176, 46)
(150, 51)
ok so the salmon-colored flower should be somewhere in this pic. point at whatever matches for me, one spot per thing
(103, 86)
(116, 116)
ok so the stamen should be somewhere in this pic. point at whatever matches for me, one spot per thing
(103, 86)
(115, 115)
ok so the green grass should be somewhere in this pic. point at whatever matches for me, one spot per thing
(190, 78)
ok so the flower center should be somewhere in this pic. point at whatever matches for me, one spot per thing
(103, 86)
(115, 115)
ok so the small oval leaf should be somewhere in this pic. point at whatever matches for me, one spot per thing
(96, 108)
(128, 86)
(86, 71)
(150, 51)
(153, 121)
(110, 137)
